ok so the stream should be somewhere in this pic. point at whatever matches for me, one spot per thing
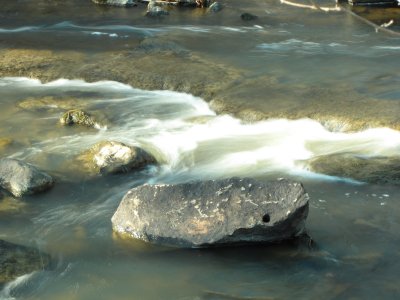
(355, 225)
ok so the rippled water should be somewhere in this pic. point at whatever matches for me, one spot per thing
(355, 225)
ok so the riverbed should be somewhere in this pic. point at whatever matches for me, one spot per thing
(210, 96)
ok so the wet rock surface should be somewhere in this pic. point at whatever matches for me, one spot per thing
(17, 260)
(377, 170)
(210, 213)
(115, 157)
(48, 103)
(20, 178)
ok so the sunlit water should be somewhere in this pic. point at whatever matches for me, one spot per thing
(355, 226)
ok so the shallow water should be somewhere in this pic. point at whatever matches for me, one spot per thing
(355, 225)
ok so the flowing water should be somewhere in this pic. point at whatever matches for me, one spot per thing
(354, 225)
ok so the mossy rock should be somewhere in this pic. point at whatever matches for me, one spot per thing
(78, 117)
(16, 260)
(49, 103)
(377, 170)
(114, 157)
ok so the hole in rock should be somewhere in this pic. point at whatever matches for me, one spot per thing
(266, 218)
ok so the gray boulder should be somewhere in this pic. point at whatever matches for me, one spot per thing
(16, 260)
(115, 157)
(20, 178)
(215, 7)
(210, 213)
(120, 3)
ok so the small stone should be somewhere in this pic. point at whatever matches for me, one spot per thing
(115, 157)
(20, 178)
(79, 117)
(157, 12)
(248, 17)
(215, 7)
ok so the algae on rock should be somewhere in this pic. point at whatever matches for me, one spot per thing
(79, 117)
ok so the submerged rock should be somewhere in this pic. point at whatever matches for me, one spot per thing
(47, 103)
(120, 3)
(375, 170)
(115, 157)
(16, 260)
(248, 17)
(79, 117)
(217, 212)
(158, 45)
(10, 204)
(20, 178)
(5, 142)
(215, 7)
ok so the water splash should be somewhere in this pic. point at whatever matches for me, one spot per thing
(192, 141)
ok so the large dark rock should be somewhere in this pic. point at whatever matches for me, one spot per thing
(16, 260)
(20, 178)
(220, 212)
(115, 157)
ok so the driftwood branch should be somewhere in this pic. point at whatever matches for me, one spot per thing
(377, 27)
(314, 6)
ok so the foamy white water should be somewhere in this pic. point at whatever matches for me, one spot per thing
(191, 140)
(7, 292)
